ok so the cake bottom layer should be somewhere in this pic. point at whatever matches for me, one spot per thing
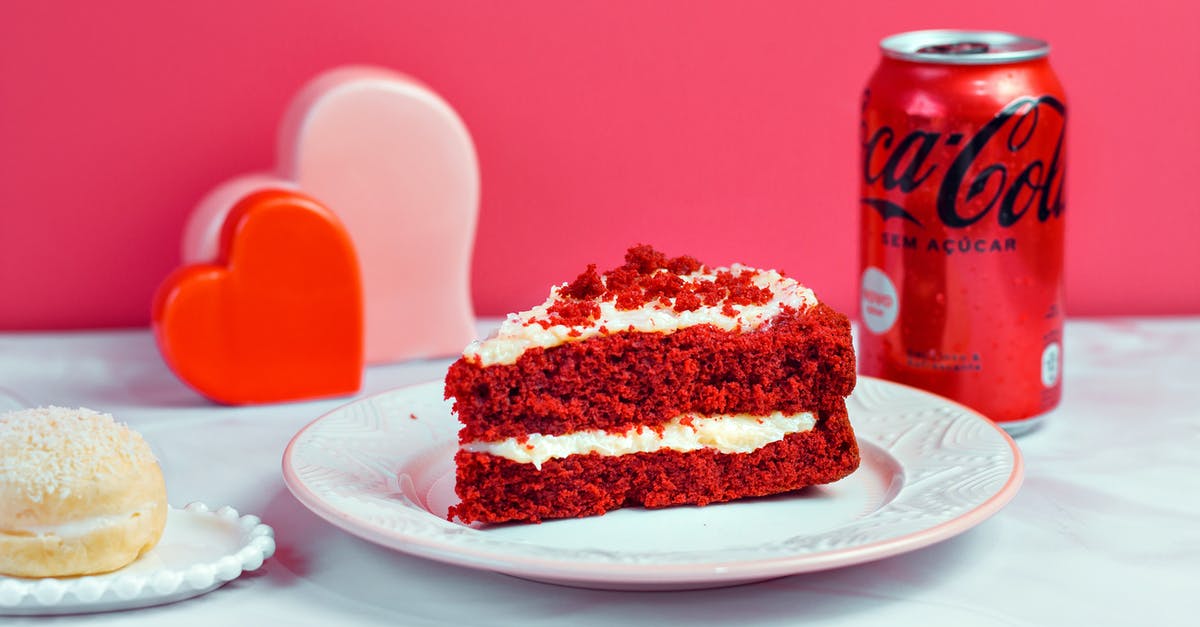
(494, 489)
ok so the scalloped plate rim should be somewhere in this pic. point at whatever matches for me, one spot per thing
(686, 575)
(249, 528)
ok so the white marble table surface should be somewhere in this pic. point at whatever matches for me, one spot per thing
(1105, 530)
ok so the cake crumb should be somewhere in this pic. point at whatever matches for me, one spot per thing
(648, 276)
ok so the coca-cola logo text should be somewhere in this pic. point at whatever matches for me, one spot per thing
(983, 164)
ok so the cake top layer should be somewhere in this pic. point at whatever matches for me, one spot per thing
(650, 293)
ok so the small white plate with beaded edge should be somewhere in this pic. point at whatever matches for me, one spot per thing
(201, 549)
(382, 468)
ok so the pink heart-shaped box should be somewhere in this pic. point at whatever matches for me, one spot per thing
(397, 166)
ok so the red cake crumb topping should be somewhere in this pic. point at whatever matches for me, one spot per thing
(571, 313)
(586, 286)
(642, 280)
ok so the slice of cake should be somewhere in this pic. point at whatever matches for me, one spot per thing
(660, 382)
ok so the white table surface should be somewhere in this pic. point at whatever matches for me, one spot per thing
(1105, 530)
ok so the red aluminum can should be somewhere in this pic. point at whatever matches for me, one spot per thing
(962, 221)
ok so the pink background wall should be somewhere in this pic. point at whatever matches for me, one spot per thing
(725, 130)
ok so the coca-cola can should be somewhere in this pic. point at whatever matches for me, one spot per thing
(962, 221)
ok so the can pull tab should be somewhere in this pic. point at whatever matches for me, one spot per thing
(965, 47)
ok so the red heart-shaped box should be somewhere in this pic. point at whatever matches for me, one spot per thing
(278, 317)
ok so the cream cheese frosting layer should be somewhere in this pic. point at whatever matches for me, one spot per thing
(726, 433)
(521, 332)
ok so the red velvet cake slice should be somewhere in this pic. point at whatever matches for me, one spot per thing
(660, 382)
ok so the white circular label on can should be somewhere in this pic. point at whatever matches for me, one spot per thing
(1051, 364)
(880, 305)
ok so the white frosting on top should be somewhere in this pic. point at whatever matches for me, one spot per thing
(521, 332)
(727, 433)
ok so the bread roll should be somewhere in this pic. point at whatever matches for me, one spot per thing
(80, 494)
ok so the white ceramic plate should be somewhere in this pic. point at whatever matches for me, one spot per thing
(382, 468)
(200, 550)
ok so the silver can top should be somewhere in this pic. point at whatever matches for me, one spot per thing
(963, 47)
